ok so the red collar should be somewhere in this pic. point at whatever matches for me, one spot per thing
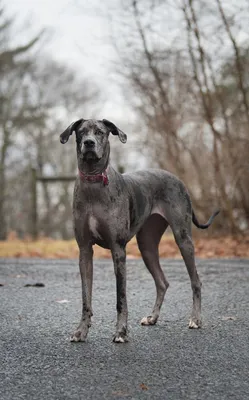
(94, 178)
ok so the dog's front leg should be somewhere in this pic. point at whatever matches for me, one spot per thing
(86, 272)
(119, 260)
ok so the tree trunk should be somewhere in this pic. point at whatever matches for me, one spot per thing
(3, 222)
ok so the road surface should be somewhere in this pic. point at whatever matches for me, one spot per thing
(167, 361)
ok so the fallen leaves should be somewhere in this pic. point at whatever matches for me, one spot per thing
(229, 318)
(205, 247)
(143, 386)
(119, 393)
(62, 301)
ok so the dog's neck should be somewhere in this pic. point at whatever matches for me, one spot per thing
(95, 167)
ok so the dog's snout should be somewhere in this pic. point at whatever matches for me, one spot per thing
(89, 143)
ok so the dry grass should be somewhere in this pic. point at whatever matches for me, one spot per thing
(225, 247)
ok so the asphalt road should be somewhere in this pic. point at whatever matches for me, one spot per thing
(167, 361)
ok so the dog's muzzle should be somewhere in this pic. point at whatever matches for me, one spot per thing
(89, 150)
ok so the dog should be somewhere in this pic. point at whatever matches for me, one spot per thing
(109, 208)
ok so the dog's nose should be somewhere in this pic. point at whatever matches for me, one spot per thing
(89, 143)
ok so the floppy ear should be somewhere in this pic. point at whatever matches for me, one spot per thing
(115, 131)
(65, 135)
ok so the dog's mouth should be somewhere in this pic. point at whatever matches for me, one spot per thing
(90, 155)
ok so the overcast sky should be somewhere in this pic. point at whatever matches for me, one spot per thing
(77, 34)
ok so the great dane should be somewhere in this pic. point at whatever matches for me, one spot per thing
(109, 208)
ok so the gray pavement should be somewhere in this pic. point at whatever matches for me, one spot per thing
(167, 361)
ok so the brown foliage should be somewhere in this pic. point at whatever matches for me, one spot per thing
(192, 99)
(222, 247)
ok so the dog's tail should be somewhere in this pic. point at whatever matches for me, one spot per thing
(204, 226)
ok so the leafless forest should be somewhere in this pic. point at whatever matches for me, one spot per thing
(183, 69)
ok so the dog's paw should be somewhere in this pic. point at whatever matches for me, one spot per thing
(120, 337)
(150, 320)
(79, 335)
(194, 323)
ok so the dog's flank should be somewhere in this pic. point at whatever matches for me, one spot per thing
(110, 208)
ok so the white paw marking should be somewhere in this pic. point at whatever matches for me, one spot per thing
(74, 339)
(119, 339)
(145, 321)
(193, 325)
(93, 227)
(149, 320)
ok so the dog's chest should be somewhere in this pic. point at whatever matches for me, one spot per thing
(93, 226)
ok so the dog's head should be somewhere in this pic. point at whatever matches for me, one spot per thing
(92, 137)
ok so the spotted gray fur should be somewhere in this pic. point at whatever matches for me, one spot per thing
(141, 203)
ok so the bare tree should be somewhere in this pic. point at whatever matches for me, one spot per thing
(14, 63)
(39, 99)
(195, 125)
(60, 97)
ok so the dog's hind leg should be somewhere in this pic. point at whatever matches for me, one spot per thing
(148, 239)
(183, 237)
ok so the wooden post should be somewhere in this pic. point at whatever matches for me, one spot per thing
(34, 230)
(34, 210)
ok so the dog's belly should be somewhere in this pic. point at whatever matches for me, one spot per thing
(102, 243)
